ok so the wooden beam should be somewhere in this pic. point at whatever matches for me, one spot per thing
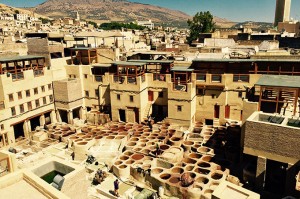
(260, 95)
(296, 93)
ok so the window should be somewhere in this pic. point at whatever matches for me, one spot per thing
(51, 98)
(13, 111)
(2, 106)
(97, 92)
(49, 86)
(118, 97)
(85, 76)
(70, 76)
(29, 106)
(131, 98)
(20, 95)
(179, 108)
(2, 126)
(35, 91)
(240, 94)
(44, 100)
(37, 103)
(27, 93)
(213, 96)
(43, 88)
(241, 78)
(11, 97)
(87, 94)
(161, 94)
(200, 91)
(21, 108)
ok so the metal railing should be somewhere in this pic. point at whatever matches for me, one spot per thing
(17, 76)
(38, 72)
(119, 79)
(131, 80)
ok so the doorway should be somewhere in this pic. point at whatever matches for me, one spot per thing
(137, 115)
(122, 115)
(150, 96)
(217, 111)
(227, 111)
(34, 122)
(19, 130)
(63, 115)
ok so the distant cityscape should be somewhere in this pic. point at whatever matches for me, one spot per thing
(205, 109)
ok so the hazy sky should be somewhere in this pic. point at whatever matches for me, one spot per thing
(235, 10)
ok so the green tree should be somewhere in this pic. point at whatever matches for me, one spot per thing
(201, 23)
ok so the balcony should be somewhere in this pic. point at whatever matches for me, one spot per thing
(201, 77)
(241, 78)
(216, 80)
(17, 76)
(38, 72)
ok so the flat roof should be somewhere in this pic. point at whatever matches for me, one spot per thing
(99, 65)
(245, 60)
(124, 63)
(152, 61)
(81, 48)
(20, 58)
(279, 81)
(182, 68)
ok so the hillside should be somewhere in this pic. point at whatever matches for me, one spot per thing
(12, 10)
(114, 10)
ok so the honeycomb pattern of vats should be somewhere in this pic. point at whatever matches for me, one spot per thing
(178, 155)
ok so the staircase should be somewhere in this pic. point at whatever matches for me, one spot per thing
(148, 110)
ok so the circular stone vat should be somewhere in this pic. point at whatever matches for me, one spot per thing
(189, 161)
(177, 170)
(214, 185)
(216, 175)
(137, 156)
(195, 155)
(202, 171)
(175, 139)
(189, 167)
(164, 147)
(123, 166)
(128, 153)
(129, 162)
(202, 180)
(208, 193)
(81, 143)
(203, 164)
(198, 186)
(188, 143)
(131, 143)
(192, 174)
(165, 176)
(174, 180)
(203, 149)
(134, 139)
(118, 162)
(145, 151)
(124, 157)
(110, 137)
(157, 171)
(206, 158)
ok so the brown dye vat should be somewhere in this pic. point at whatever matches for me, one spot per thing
(191, 174)
(148, 158)
(194, 135)
(202, 179)
(137, 156)
(134, 139)
(203, 149)
(137, 149)
(129, 162)
(195, 155)
(86, 136)
(119, 137)
(189, 161)
(161, 137)
(198, 187)
(177, 170)
(216, 176)
(208, 193)
(82, 143)
(146, 151)
(206, 158)
(84, 129)
(73, 137)
(189, 167)
(98, 137)
(150, 143)
(110, 137)
(165, 176)
(174, 180)
(88, 139)
(142, 144)
(175, 139)
(123, 166)
(146, 130)
(188, 143)
(146, 167)
(124, 157)
(202, 171)
(118, 162)
(164, 147)
(156, 171)
(77, 140)
(204, 164)
(171, 131)
(128, 153)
